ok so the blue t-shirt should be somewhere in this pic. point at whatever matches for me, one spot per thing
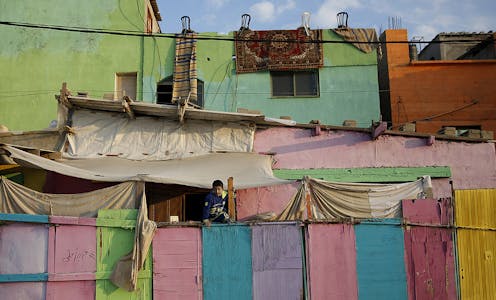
(214, 205)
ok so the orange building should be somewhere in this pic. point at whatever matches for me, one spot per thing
(436, 93)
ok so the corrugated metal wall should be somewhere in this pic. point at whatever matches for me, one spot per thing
(277, 261)
(177, 260)
(115, 238)
(227, 264)
(476, 242)
(23, 260)
(380, 260)
(331, 261)
(71, 259)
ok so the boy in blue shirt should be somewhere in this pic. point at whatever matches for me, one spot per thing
(215, 205)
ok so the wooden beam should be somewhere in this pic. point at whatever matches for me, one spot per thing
(127, 108)
(230, 196)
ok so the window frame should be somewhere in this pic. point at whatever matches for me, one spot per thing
(315, 72)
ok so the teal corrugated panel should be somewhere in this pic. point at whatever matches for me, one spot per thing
(380, 261)
(227, 269)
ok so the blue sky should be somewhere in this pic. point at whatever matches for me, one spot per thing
(423, 18)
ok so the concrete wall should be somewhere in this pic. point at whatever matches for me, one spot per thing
(35, 62)
(473, 166)
(348, 85)
(423, 89)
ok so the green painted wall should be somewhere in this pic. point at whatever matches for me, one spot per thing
(348, 85)
(35, 62)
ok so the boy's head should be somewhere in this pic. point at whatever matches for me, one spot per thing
(218, 187)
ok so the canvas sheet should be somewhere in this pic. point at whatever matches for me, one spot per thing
(332, 200)
(247, 169)
(99, 134)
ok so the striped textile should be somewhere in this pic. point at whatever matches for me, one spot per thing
(362, 35)
(185, 73)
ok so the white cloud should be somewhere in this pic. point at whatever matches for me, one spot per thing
(263, 11)
(216, 3)
(326, 14)
(288, 5)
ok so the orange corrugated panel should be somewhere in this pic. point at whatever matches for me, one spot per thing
(476, 208)
(476, 244)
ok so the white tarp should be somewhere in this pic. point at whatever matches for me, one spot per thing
(329, 200)
(247, 169)
(98, 134)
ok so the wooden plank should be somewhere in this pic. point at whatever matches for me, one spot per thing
(72, 220)
(23, 277)
(398, 174)
(230, 199)
(24, 218)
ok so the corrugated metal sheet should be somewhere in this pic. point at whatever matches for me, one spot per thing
(71, 261)
(427, 211)
(477, 264)
(177, 259)
(476, 247)
(112, 244)
(430, 263)
(227, 263)
(476, 208)
(380, 260)
(331, 258)
(277, 261)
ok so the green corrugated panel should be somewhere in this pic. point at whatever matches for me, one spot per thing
(114, 242)
(400, 174)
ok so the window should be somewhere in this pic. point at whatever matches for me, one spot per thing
(164, 92)
(125, 85)
(295, 84)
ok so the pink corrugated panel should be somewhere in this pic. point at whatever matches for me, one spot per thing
(177, 261)
(23, 248)
(428, 211)
(331, 257)
(430, 263)
(71, 261)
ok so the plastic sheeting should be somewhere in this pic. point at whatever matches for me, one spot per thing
(99, 134)
(323, 200)
(247, 169)
(18, 199)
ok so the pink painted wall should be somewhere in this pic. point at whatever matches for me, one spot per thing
(427, 211)
(331, 261)
(23, 248)
(430, 263)
(71, 259)
(177, 263)
(473, 165)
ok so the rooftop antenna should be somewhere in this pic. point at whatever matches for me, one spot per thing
(245, 23)
(185, 21)
(342, 19)
(305, 22)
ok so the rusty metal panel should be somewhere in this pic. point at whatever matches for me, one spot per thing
(430, 263)
(227, 263)
(427, 211)
(277, 261)
(177, 259)
(476, 208)
(331, 258)
(380, 260)
(477, 264)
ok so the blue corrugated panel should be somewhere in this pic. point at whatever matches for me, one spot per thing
(23, 277)
(380, 261)
(227, 270)
(24, 218)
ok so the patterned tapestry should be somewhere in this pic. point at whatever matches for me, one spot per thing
(278, 50)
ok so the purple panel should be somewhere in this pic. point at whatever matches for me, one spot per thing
(331, 257)
(23, 248)
(22, 290)
(430, 263)
(177, 261)
(70, 290)
(428, 211)
(277, 262)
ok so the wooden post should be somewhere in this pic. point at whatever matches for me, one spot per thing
(230, 196)
(308, 200)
